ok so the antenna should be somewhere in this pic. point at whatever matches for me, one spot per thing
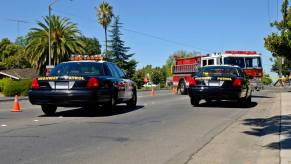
(18, 21)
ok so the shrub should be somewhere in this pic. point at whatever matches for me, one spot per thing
(4, 82)
(17, 88)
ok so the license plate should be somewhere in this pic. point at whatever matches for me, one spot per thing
(214, 83)
(62, 85)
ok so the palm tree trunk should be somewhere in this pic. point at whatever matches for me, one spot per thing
(105, 28)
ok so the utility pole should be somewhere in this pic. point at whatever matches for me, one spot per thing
(18, 21)
(49, 35)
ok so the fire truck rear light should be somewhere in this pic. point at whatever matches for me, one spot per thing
(237, 83)
(34, 84)
(192, 82)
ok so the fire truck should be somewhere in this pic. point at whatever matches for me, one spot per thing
(183, 71)
(249, 61)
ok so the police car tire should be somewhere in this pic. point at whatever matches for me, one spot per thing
(246, 101)
(182, 88)
(132, 102)
(49, 109)
(111, 105)
(208, 100)
(194, 101)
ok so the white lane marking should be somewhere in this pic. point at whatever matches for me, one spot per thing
(60, 116)
(35, 120)
(3, 125)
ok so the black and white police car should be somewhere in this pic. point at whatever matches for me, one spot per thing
(223, 82)
(82, 84)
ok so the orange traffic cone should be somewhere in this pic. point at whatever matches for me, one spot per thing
(16, 105)
(174, 90)
(153, 92)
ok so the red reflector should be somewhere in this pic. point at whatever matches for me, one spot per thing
(34, 84)
(92, 83)
(237, 83)
(192, 82)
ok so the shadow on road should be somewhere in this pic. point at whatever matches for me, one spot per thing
(256, 96)
(271, 125)
(228, 104)
(96, 112)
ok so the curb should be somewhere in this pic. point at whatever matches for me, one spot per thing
(6, 99)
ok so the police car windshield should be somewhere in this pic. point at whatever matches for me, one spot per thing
(78, 69)
(219, 72)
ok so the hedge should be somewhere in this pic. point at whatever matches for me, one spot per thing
(10, 87)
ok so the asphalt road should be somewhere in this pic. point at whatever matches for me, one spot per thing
(162, 129)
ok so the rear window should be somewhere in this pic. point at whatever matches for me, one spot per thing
(219, 72)
(78, 69)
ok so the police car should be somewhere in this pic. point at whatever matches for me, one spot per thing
(222, 82)
(83, 83)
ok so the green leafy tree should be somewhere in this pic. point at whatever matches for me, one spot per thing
(267, 79)
(105, 14)
(118, 52)
(64, 41)
(285, 66)
(12, 55)
(91, 46)
(138, 77)
(21, 41)
(156, 76)
(279, 43)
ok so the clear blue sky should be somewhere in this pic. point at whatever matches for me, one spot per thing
(192, 25)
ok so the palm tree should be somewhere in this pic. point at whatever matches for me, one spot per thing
(104, 14)
(64, 41)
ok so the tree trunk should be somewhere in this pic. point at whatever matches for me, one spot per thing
(105, 28)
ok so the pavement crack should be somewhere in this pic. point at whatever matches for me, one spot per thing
(117, 139)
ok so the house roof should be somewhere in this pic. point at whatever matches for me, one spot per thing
(26, 73)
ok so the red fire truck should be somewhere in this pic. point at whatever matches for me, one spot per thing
(183, 71)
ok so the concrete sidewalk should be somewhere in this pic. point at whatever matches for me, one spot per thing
(285, 128)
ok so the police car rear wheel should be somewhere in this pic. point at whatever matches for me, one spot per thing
(132, 102)
(111, 105)
(195, 101)
(49, 109)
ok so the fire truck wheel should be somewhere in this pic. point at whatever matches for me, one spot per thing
(195, 101)
(182, 88)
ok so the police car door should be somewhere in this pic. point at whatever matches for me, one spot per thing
(126, 83)
(119, 83)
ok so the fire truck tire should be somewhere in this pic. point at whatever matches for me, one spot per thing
(194, 101)
(182, 88)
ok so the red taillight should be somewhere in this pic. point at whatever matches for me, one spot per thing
(237, 83)
(192, 82)
(93, 83)
(34, 84)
